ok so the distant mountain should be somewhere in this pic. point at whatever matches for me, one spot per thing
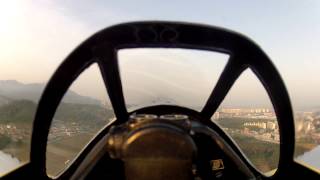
(4, 100)
(14, 90)
(21, 112)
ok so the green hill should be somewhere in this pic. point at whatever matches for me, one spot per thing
(18, 112)
(83, 113)
(22, 112)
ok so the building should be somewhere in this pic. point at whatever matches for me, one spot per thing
(262, 125)
(216, 115)
(271, 125)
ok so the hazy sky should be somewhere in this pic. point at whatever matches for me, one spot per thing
(35, 36)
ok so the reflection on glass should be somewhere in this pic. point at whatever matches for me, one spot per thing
(78, 118)
(248, 117)
(154, 76)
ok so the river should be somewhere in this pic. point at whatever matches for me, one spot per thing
(7, 163)
(311, 158)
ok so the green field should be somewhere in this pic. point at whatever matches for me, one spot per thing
(63, 151)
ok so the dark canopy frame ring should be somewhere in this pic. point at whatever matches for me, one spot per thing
(102, 48)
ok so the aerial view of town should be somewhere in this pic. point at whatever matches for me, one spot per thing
(79, 118)
(259, 127)
(238, 58)
(261, 123)
(66, 139)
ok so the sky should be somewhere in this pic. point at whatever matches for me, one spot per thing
(35, 36)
